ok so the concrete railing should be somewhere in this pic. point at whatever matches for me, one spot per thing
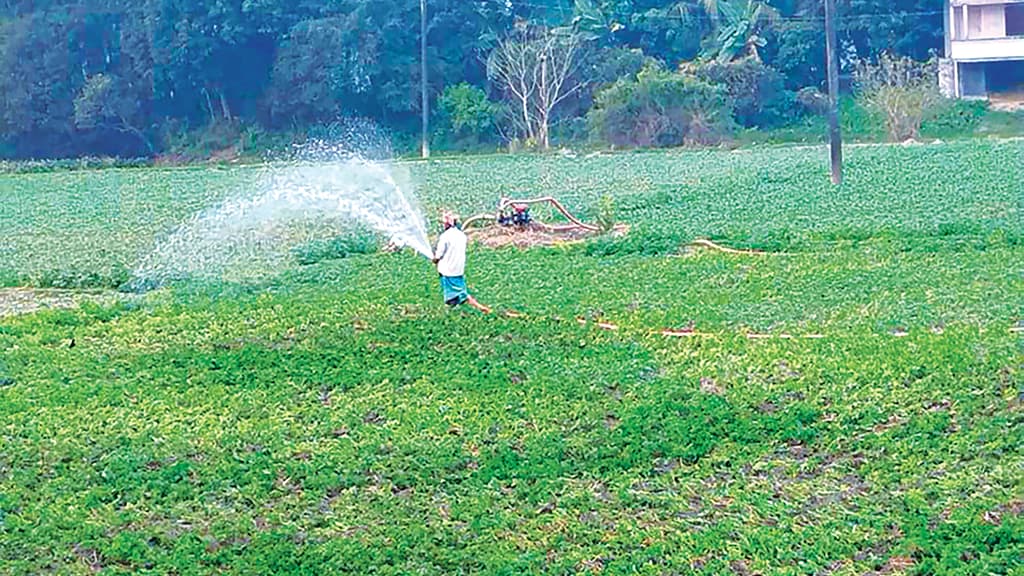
(988, 49)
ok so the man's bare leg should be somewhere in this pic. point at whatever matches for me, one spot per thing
(472, 302)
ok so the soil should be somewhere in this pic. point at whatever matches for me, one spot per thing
(1007, 102)
(16, 301)
(533, 235)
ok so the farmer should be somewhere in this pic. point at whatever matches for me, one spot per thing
(450, 257)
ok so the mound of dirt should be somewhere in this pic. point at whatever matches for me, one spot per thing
(534, 235)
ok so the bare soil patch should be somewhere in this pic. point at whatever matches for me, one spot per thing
(1008, 101)
(534, 235)
(17, 301)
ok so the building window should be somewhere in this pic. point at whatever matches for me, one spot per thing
(973, 22)
(1015, 19)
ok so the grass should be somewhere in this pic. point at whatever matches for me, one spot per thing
(334, 418)
(954, 120)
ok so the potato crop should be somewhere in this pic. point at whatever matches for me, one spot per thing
(848, 401)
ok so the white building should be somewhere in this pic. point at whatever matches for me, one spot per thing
(984, 48)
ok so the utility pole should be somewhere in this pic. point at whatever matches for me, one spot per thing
(834, 136)
(425, 146)
(424, 104)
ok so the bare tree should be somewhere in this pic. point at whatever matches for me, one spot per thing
(537, 71)
(511, 66)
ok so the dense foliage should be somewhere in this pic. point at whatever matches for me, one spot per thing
(128, 78)
(467, 118)
(754, 91)
(335, 418)
(659, 108)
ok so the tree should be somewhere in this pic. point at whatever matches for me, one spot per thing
(105, 103)
(37, 83)
(296, 64)
(739, 28)
(467, 116)
(901, 90)
(660, 108)
(214, 56)
(537, 70)
(865, 29)
(911, 28)
(307, 75)
(667, 30)
(755, 90)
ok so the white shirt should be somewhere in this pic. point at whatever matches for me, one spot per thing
(451, 252)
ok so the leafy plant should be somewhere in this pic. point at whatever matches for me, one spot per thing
(605, 213)
(740, 28)
(335, 249)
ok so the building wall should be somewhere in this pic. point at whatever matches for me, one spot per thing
(958, 3)
(988, 49)
(947, 78)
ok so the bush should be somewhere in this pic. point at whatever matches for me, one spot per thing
(466, 118)
(959, 118)
(569, 132)
(660, 108)
(758, 96)
(813, 100)
(900, 90)
(222, 139)
(858, 122)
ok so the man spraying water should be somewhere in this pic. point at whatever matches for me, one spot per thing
(450, 258)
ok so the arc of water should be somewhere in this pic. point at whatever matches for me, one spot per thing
(348, 189)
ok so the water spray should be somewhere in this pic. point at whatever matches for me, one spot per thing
(326, 192)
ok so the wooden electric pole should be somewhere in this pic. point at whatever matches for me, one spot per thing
(834, 136)
(424, 104)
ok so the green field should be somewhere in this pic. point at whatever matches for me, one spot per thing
(334, 418)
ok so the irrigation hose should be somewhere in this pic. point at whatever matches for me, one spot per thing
(691, 332)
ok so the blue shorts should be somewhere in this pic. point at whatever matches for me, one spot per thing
(454, 288)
